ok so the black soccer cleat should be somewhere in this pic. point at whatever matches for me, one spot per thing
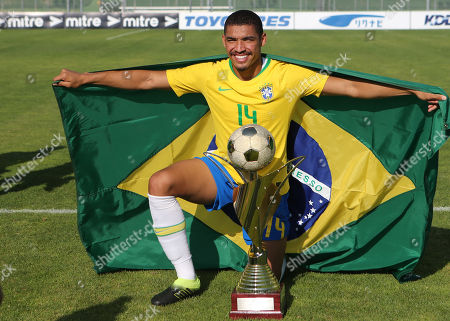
(173, 294)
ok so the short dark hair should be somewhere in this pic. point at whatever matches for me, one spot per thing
(244, 17)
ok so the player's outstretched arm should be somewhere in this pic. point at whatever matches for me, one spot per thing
(126, 79)
(367, 90)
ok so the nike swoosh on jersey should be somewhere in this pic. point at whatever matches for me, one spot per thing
(224, 89)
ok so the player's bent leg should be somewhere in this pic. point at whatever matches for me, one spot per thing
(190, 180)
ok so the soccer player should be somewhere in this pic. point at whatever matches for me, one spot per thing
(245, 88)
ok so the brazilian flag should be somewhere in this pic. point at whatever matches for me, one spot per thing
(361, 200)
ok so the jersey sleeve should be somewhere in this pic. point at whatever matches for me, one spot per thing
(306, 81)
(190, 79)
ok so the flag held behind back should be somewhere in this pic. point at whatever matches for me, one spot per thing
(362, 200)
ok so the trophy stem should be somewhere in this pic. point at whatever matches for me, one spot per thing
(257, 276)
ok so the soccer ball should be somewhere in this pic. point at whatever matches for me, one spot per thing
(251, 147)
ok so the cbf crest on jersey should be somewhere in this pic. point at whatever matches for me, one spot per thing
(266, 92)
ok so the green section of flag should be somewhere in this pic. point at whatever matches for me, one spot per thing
(111, 132)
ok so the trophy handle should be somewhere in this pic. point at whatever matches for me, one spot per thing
(300, 159)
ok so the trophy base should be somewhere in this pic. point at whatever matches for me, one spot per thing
(257, 305)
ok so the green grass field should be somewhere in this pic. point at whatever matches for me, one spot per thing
(52, 277)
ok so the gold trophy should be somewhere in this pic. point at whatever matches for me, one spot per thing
(258, 293)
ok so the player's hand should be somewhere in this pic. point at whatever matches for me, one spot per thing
(432, 99)
(69, 78)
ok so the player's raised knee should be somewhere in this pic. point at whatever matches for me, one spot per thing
(161, 184)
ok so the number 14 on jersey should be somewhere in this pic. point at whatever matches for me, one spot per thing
(246, 114)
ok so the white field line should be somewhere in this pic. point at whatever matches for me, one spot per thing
(126, 34)
(442, 209)
(43, 211)
(69, 211)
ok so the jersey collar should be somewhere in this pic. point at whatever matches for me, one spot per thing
(265, 64)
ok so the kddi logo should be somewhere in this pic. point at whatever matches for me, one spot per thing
(437, 20)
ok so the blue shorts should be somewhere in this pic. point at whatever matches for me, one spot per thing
(279, 227)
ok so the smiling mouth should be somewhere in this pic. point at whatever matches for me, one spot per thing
(241, 58)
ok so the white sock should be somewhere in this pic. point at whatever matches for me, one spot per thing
(169, 226)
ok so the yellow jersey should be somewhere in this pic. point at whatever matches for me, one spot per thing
(267, 100)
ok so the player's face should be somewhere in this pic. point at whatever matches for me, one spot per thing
(243, 45)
